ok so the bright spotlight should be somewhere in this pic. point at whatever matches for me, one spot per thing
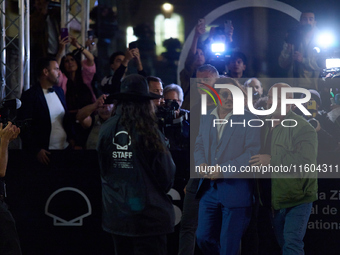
(218, 47)
(332, 63)
(167, 7)
(326, 40)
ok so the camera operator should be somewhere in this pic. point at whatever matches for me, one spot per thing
(220, 46)
(9, 240)
(174, 121)
(298, 55)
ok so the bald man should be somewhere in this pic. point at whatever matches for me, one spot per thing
(290, 195)
(255, 84)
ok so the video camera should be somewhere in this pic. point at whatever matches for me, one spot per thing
(8, 112)
(294, 36)
(219, 47)
(332, 69)
(167, 112)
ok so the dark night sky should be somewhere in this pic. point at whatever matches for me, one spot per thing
(263, 48)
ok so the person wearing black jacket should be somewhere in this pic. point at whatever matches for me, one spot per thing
(9, 239)
(44, 106)
(137, 171)
(119, 64)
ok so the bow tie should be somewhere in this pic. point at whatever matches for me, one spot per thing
(50, 90)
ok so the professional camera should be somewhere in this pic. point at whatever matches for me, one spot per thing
(8, 109)
(8, 112)
(294, 35)
(173, 124)
(219, 48)
(167, 112)
(332, 69)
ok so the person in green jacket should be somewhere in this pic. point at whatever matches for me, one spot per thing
(290, 142)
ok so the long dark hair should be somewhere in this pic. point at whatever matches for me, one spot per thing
(78, 78)
(78, 94)
(140, 116)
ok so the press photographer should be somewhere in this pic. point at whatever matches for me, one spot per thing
(9, 240)
(220, 45)
(298, 55)
(172, 120)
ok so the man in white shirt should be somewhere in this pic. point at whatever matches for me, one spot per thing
(44, 105)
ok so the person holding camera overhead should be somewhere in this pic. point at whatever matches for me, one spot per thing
(195, 59)
(119, 62)
(75, 79)
(298, 55)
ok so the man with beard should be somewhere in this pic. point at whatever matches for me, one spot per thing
(226, 197)
(44, 104)
(298, 55)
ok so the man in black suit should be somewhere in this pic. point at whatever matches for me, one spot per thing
(44, 104)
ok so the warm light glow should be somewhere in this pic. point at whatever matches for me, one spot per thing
(166, 28)
(167, 7)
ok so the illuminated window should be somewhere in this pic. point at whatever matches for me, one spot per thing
(129, 36)
(166, 28)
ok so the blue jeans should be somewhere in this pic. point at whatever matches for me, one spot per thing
(220, 229)
(290, 226)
